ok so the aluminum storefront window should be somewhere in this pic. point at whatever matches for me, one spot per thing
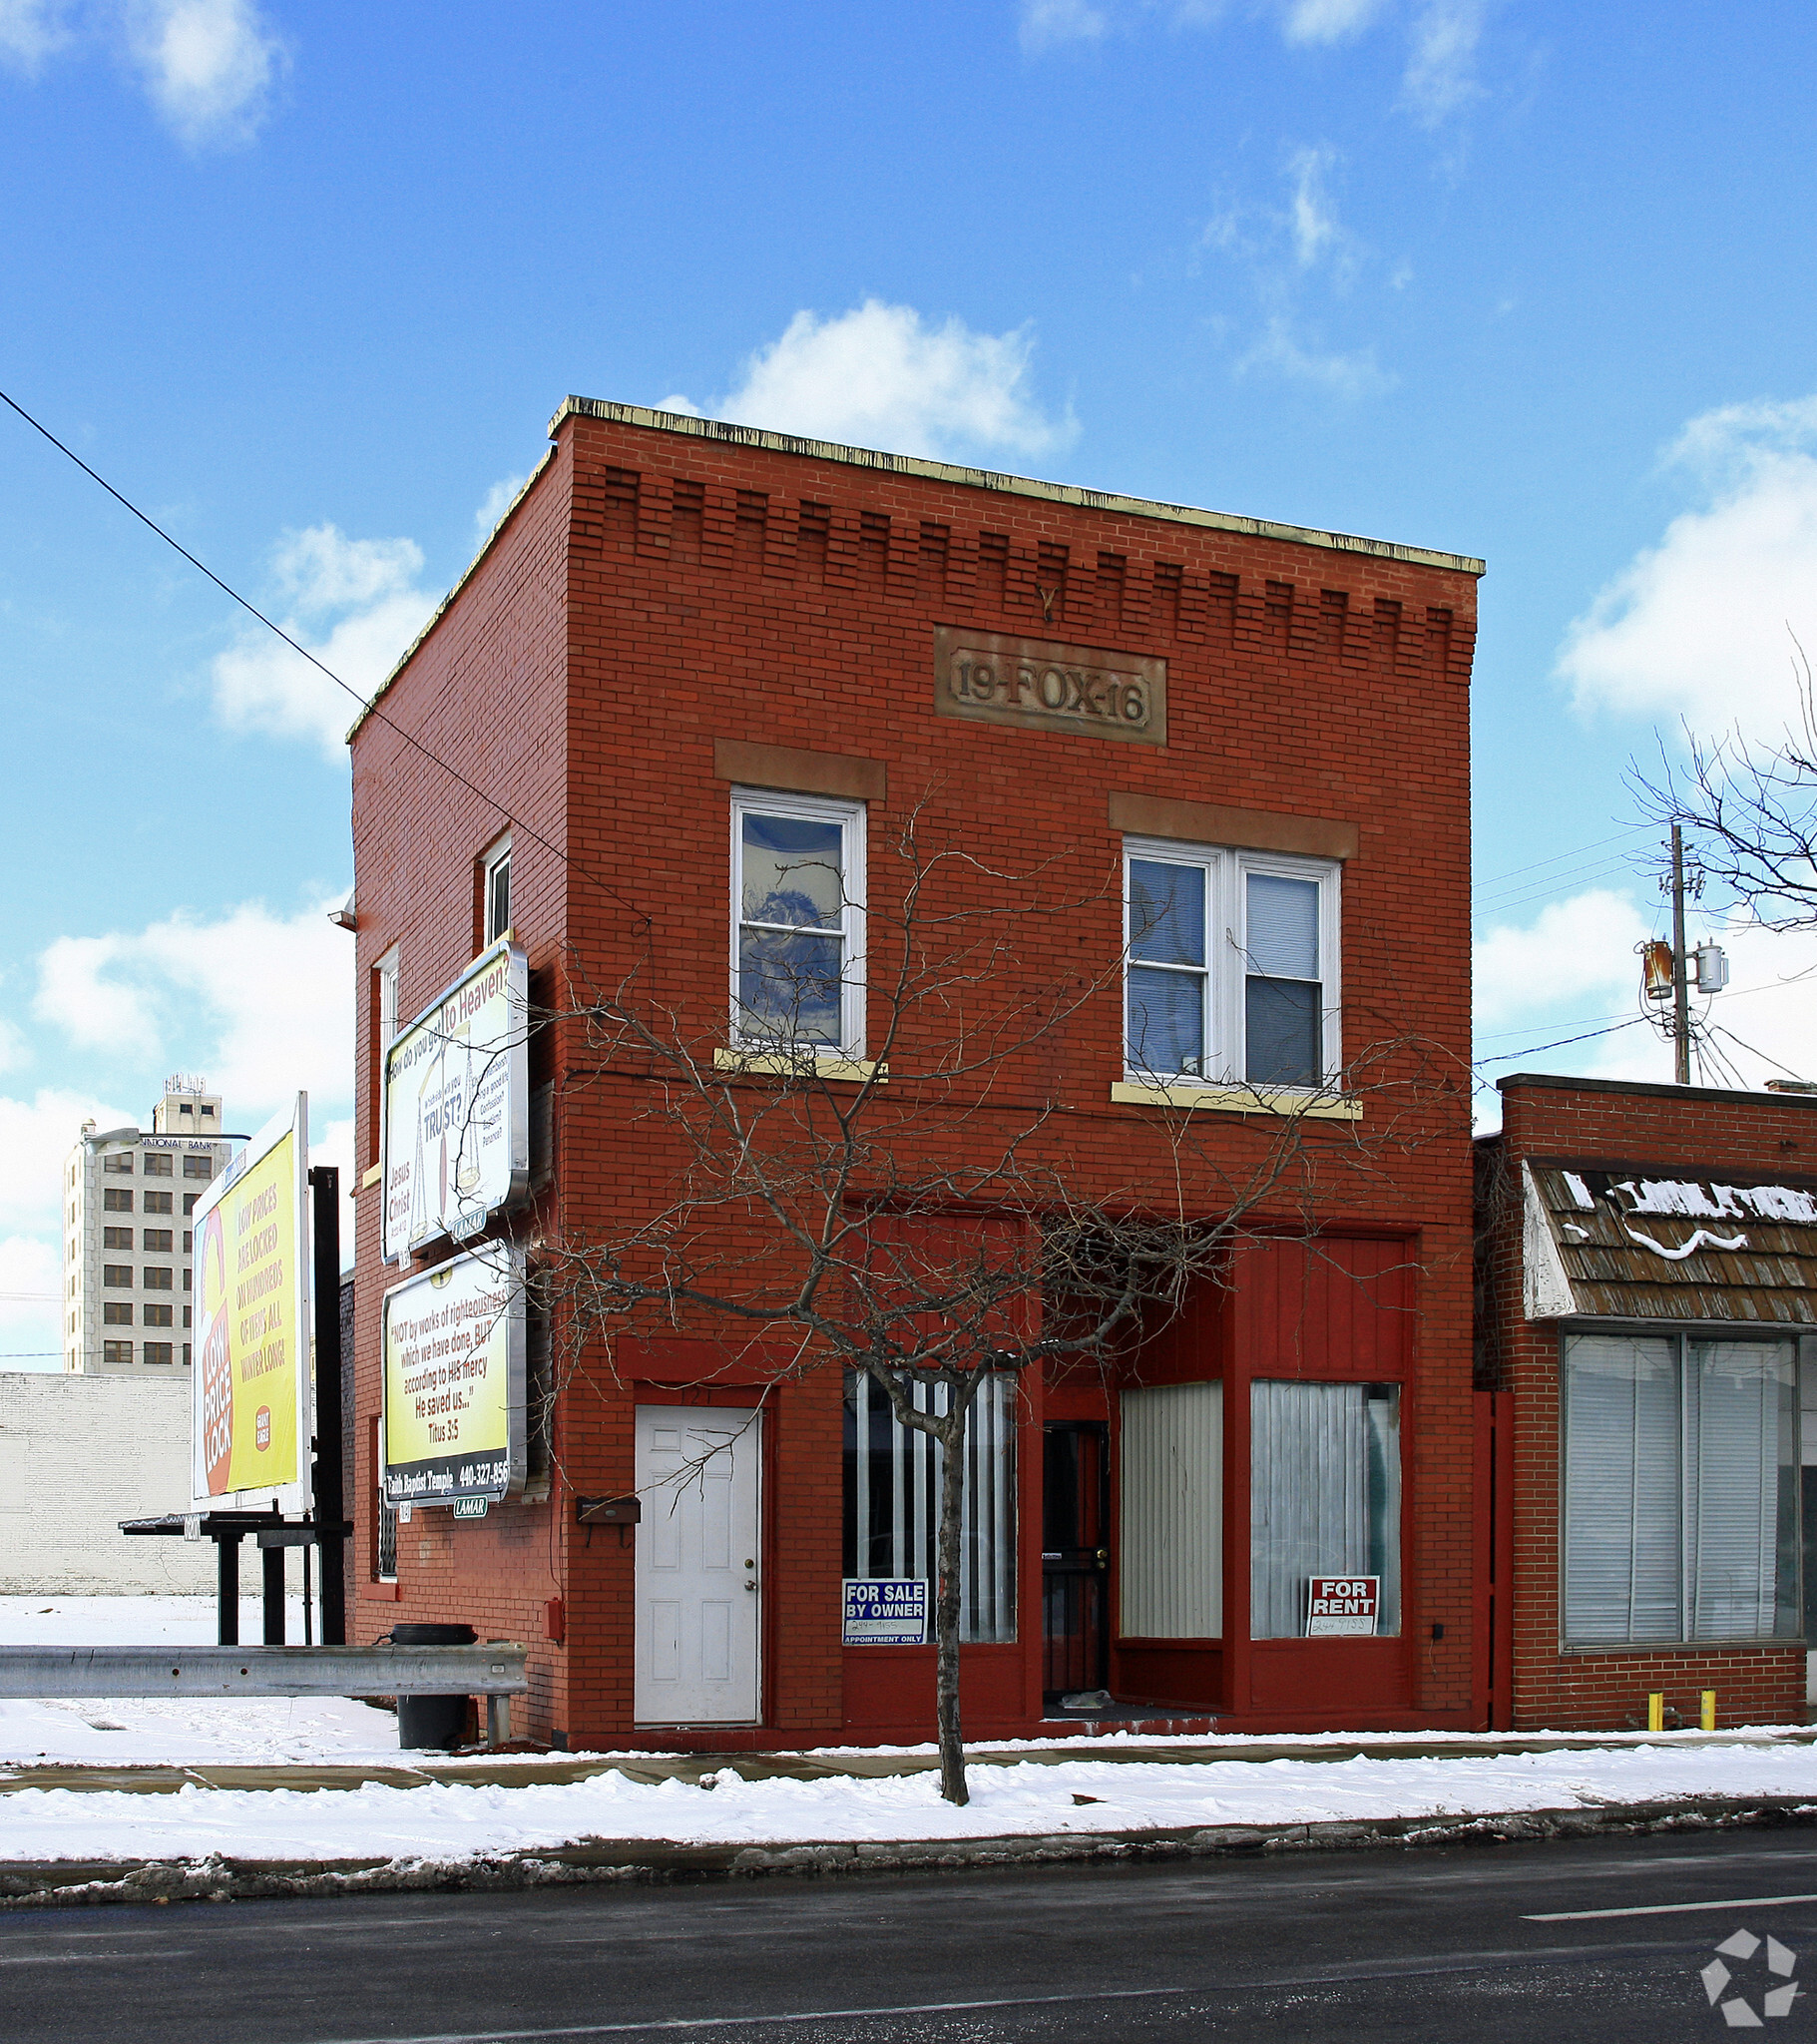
(1681, 1489)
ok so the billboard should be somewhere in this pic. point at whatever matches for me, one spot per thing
(251, 1416)
(456, 1107)
(454, 1381)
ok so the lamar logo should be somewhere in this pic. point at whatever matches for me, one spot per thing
(1737, 2010)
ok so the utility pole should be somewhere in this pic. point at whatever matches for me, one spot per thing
(1681, 997)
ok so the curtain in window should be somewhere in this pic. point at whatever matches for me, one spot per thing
(1681, 1489)
(892, 1497)
(1324, 1497)
(1284, 1028)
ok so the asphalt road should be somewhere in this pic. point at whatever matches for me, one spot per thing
(1434, 1944)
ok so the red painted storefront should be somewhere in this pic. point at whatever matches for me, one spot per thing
(674, 610)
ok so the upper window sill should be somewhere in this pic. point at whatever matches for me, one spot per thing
(1289, 1103)
(807, 1064)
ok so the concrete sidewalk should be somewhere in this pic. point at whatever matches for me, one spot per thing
(535, 1770)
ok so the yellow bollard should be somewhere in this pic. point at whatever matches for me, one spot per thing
(1707, 1716)
(1655, 1710)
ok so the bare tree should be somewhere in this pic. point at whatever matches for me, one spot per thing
(926, 1217)
(1752, 807)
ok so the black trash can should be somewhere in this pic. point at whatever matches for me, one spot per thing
(438, 1723)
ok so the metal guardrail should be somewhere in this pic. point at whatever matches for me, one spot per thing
(476, 1671)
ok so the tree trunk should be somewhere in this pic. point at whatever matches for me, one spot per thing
(946, 1610)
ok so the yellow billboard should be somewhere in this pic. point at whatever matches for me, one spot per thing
(249, 1428)
(454, 1391)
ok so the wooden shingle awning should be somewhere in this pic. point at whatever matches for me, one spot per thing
(1656, 1245)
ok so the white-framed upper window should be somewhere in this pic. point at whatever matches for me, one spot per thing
(798, 938)
(495, 893)
(1230, 966)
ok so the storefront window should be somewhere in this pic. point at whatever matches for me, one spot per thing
(1324, 1497)
(892, 1497)
(1681, 1489)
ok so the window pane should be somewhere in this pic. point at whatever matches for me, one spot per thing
(1741, 1566)
(1284, 927)
(1167, 1021)
(892, 1497)
(793, 872)
(1324, 1497)
(1622, 1489)
(1283, 1033)
(789, 986)
(498, 906)
(1166, 913)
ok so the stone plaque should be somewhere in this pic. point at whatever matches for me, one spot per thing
(1035, 683)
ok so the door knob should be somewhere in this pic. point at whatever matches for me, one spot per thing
(1103, 1555)
(751, 1582)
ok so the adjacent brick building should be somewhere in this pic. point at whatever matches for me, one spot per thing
(1647, 1299)
(689, 646)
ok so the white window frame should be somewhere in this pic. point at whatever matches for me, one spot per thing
(809, 808)
(1227, 869)
(491, 860)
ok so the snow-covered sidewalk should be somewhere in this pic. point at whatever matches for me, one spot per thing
(1016, 1791)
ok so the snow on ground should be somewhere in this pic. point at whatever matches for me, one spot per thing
(443, 1822)
(174, 1732)
(453, 1822)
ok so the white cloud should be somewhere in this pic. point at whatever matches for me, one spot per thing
(1046, 22)
(31, 31)
(1281, 353)
(498, 500)
(31, 1308)
(881, 377)
(262, 1004)
(1442, 36)
(1696, 627)
(1440, 79)
(1578, 952)
(1328, 21)
(207, 65)
(261, 685)
(35, 1138)
(1312, 216)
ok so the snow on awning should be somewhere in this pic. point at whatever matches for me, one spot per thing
(1652, 1244)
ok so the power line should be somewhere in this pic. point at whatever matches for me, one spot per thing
(369, 705)
(1596, 844)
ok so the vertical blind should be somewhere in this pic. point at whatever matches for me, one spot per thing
(1171, 1561)
(1324, 1497)
(892, 1497)
(1680, 1488)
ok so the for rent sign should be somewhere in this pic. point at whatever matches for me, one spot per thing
(457, 1115)
(249, 1419)
(1342, 1607)
(454, 1381)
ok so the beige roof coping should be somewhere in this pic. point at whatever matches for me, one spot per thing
(990, 479)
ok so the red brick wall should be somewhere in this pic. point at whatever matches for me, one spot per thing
(1692, 1132)
(660, 591)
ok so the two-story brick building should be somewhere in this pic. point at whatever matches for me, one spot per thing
(695, 661)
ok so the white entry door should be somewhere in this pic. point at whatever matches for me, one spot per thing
(698, 1560)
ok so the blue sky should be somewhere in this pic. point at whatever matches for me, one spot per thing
(1529, 282)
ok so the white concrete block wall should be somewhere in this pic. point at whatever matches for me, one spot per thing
(77, 1455)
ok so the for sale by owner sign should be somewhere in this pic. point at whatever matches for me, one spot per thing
(1342, 1607)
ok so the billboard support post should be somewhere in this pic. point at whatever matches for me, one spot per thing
(271, 1560)
(331, 1474)
(227, 1591)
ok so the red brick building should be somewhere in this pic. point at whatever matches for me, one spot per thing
(689, 646)
(1647, 1296)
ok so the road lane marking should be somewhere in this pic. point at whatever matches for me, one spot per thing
(1668, 1908)
(87, 1958)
